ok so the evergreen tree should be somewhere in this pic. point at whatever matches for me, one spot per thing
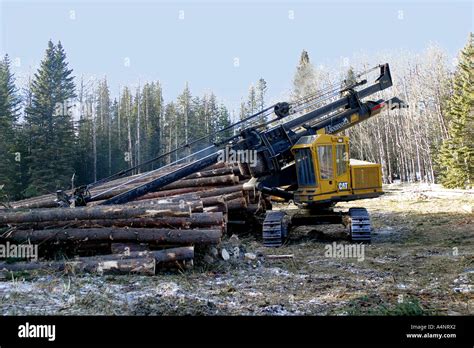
(211, 115)
(49, 121)
(103, 121)
(252, 106)
(456, 158)
(304, 81)
(118, 160)
(350, 78)
(261, 91)
(242, 110)
(64, 132)
(153, 114)
(223, 121)
(9, 107)
(185, 114)
(137, 125)
(84, 158)
(170, 138)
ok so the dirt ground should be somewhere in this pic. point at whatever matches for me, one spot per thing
(421, 261)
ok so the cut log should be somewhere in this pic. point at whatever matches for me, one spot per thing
(193, 221)
(238, 203)
(160, 256)
(140, 235)
(185, 197)
(140, 178)
(216, 208)
(214, 200)
(87, 213)
(128, 182)
(219, 191)
(139, 265)
(195, 205)
(202, 192)
(171, 193)
(212, 172)
(210, 181)
(230, 179)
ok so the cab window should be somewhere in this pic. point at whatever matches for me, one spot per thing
(325, 161)
(341, 159)
(305, 168)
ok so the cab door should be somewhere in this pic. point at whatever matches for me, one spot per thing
(327, 178)
(342, 167)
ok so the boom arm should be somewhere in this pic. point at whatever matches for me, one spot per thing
(273, 146)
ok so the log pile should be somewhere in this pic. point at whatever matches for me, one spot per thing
(158, 229)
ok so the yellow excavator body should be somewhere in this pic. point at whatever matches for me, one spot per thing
(326, 174)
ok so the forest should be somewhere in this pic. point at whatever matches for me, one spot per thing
(61, 130)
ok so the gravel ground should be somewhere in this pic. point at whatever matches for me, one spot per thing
(421, 261)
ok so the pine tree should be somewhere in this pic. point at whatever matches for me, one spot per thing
(350, 78)
(243, 110)
(84, 159)
(185, 115)
(153, 114)
(304, 81)
(118, 161)
(138, 125)
(103, 130)
(169, 131)
(252, 106)
(248, 108)
(223, 121)
(456, 157)
(9, 107)
(65, 140)
(261, 91)
(50, 124)
(197, 122)
(212, 114)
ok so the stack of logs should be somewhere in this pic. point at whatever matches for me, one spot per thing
(160, 228)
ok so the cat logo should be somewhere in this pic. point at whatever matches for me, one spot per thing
(342, 186)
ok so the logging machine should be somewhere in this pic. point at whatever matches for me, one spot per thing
(299, 157)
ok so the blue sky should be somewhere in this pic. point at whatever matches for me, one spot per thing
(201, 48)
